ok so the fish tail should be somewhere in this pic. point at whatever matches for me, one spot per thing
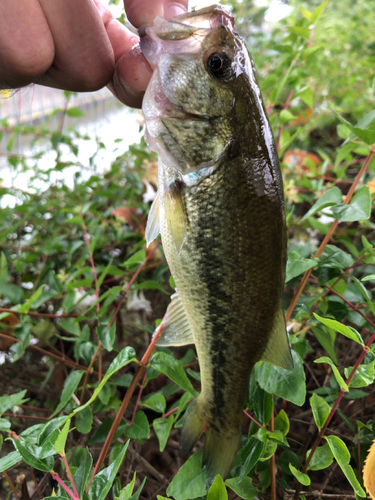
(195, 422)
(220, 447)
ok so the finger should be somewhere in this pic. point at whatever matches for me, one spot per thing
(84, 58)
(26, 45)
(139, 13)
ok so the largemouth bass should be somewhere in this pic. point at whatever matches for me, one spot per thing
(220, 212)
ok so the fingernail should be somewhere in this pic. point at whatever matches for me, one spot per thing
(173, 10)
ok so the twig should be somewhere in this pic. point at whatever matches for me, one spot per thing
(69, 473)
(10, 483)
(38, 315)
(327, 496)
(57, 478)
(88, 372)
(30, 469)
(138, 397)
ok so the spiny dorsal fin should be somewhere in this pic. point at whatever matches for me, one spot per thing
(278, 351)
(175, 212)
(153, 224)
(176, 326)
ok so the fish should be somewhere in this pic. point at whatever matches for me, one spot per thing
(220, 212)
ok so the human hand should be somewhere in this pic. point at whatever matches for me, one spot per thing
(77, 45)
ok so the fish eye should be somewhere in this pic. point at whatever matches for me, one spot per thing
(217, 64)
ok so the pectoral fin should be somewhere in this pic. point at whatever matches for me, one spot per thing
(176, 329)
(153, 224)
(175, 212)
(278, 351)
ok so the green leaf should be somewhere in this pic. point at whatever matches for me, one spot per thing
(347, 331)
(335, 258)
(297, 265)
(29, 455)
(126, 356)
(162, 428)
(281, 422)
(82, 474)
(306, 95)
(70, 385)
(3, 268)
(62, 437)
(244, 489)
(299, 31)
(24, 336)
(127, 492)
(190, 480)
(102, 482)
(287, 384)
(320, 409)
(364, 134)
(359, 207)
(49, 428)
(318, 11)
(286, 116)
(74, 112)
(9, 460)
(326, 337)
(139, 490)
(149, 285)
(217, 490)
(338, 377)
(71, 326)
(140, 428)
(106, 336)
(167, 364)
(363, 377)
(250, 455)
(4, 426)
(137, 258)
(35, 296)
(301, 478)
(370, 277)
(84, 420)
(7, 402)
(321, 459)
(342, 456)
(331, 197)
(13, 293)
(155, 402)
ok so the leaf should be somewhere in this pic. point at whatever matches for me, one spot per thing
(306, 95)
(363, 376)
(359, 207)
(49, 428)
(35, 296)
(139, 490)
(244, 489)
(331, 197)
(300, 476)
(342, 456)
(318, 11)
(321, 459)
(30, 456)
(3, 267)
(347, 331)
(61, 440)
(155, 402)
(4, 426)
(162, 428)
(84, 420)
(102, 482)
(24, 336)
(70, 385)
(335, 258)
(297, 265)
(326, 337)
(320, 409)
(338, 377)
(106, 336)
(9, 460)
(368, 471)
(137, 258)
(71, 326)
(140, 428)
(13, 293)
(74, 112)
(287, 384)
(217, 490)
(127, 492)
(82, 474)
(281, 422)
(150, 285)
(370, 277)
(7, 402)
(364, 134)
(167, 364)
(190, 480)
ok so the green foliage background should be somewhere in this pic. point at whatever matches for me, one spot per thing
(69, 269)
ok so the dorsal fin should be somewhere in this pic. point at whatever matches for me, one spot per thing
(278, 351)
(153, 223)
(176, 329)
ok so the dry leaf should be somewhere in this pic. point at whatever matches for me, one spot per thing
(371, 185)
(9, 320)
(369, 472)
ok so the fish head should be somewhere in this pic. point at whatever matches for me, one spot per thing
(191, 104)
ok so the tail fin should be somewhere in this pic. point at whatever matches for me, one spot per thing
(219, 450)
(195, 422)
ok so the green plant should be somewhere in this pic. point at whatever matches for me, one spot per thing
(72, 257)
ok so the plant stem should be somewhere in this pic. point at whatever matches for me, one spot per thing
(69, 474)
(57, 478)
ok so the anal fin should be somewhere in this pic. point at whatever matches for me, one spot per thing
(278, 351)
(176, 328)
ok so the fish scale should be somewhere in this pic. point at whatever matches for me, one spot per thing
(220, 212)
